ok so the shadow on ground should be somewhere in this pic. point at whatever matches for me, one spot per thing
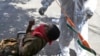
(54, 50)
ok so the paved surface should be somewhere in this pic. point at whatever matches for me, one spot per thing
(94, 30)
(15, 14)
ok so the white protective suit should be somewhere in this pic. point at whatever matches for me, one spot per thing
(79, 11)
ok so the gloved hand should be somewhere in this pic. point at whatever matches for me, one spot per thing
(89, 13)
(42, 10)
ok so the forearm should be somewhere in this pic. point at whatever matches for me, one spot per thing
(28, 28)
(46, 3)
(90, 7)
(31, 23)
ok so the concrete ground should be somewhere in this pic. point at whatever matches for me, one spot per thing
(94, 30)
(14, 17)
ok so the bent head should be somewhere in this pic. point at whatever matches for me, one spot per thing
(52, 32)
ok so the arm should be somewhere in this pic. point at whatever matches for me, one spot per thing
(45, 5)
(90, 6)
(31, 23)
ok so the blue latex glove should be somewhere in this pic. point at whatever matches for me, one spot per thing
(42, 10)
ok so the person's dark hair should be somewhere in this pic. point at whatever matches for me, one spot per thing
(53, 32)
